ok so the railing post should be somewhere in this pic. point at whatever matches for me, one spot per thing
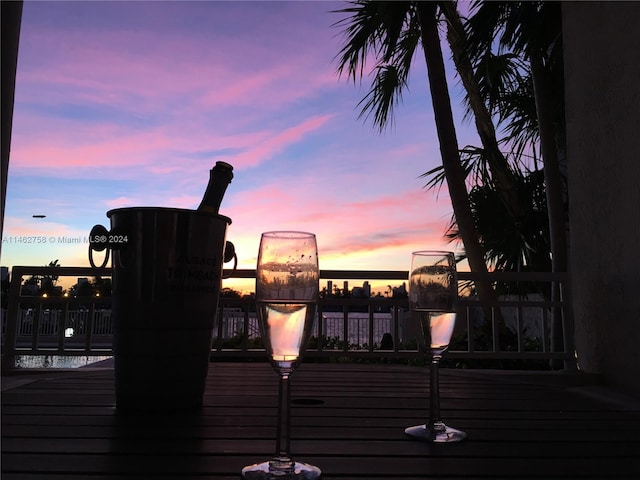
(371, 326)
(216, 344)
(557, 334)
(495, 330)
(570, 362)
(320, 327)
(8, 353)
(395, 325)
(35, 326)
(88, 329)
(246, 328)
(470, 333)
(345, 326)
(62, 326)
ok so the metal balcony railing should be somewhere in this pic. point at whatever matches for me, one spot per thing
(519, 328)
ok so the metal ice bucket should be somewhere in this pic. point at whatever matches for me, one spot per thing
(167, 273)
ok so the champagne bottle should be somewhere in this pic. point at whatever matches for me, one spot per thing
(219, 179)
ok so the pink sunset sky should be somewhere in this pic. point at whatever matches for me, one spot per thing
(122, 104)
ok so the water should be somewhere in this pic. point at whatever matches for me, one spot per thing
(358, 327)
(332, 326)
(57, 361)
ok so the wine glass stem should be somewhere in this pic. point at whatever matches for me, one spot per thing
(434, 390)
(283, 449)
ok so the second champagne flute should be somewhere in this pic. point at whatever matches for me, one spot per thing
(287, 280)
(433, 294)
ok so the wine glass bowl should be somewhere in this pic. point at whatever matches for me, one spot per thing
(287, 280)
(433, 295)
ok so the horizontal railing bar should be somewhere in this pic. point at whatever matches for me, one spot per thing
(511, 303)
(62, 298)
(404, 275)
(400, 354)
(61, 271)
(514, 276)
(335, 274)
(71, 352)
(364, 275)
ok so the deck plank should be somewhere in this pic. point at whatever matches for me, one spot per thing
(347, 418)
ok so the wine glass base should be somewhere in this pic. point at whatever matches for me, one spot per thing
(438, 433)
(263, 471)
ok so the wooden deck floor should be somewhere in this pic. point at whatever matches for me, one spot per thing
(348, 419)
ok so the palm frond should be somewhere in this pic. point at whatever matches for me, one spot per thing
(362, 32)
(385, 93)
(385, 34)
(518, 117)
(372, 30)
(497, 74)
(435, 178)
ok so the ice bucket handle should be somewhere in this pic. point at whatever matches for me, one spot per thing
(102, 239)
(99, 240)
(230, 254)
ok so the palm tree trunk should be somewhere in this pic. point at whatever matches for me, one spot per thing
(502, 175)
(553, 184)
(453, 169)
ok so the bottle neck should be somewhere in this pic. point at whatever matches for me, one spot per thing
(219, 178)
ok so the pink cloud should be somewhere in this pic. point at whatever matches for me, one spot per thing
(248, 89)
(278, 142)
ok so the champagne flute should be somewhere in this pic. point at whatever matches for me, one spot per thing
(433, 294)
(287, 280)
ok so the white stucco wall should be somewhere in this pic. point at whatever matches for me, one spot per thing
(602, 74)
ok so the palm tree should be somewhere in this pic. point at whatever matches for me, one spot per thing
(533, 32)
(392, 31)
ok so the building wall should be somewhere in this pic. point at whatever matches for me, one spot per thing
(602, 74)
